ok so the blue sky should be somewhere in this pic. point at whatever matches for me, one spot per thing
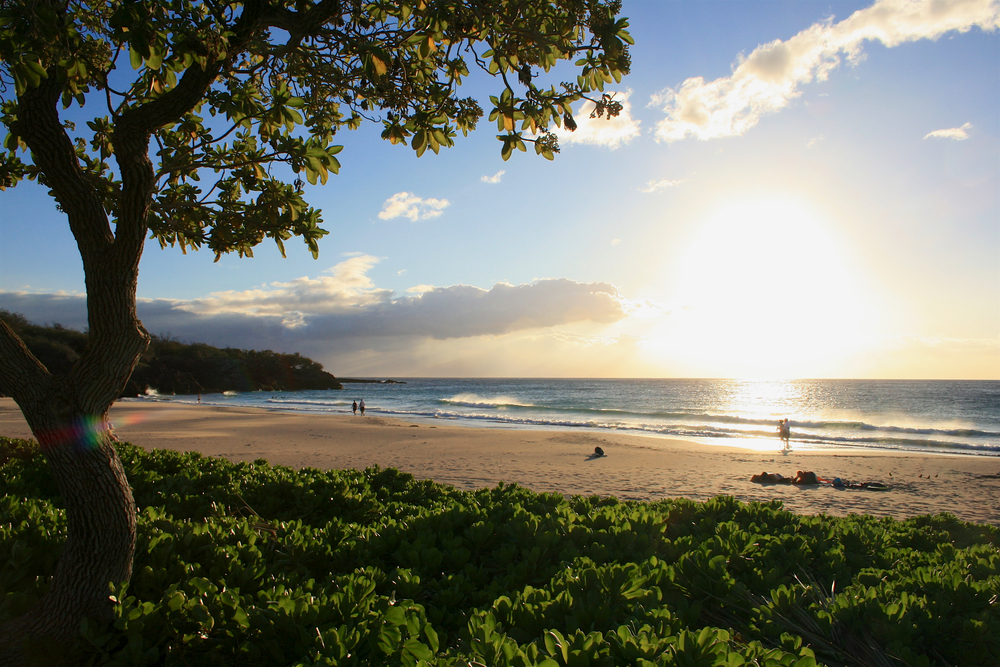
(797, 189)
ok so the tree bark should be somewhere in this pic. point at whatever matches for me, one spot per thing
(101, 518)
(100, 511)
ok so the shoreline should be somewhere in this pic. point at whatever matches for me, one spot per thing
(636, 467)
(682, 409)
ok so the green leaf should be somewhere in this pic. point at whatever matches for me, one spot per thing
(419, 141)
(155, 59)
(389, 639)
(175, 601)
(432, 637)
(555, 644)
(395, 615)
(417, 650)
(200, 614)
(241, 618)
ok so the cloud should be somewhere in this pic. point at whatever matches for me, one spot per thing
(815, 141)
(653, 186)
(348, 286)
(568, 339)
(408, 205)
(346, 310)
(956, 133)
(495, 178)
(462, 310)
(615, 241)
(769, 78)
(610, 133)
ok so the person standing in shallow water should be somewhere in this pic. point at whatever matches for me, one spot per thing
(784, 432)
(354, 407)
(361, 406)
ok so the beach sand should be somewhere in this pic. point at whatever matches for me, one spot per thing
(634, 468)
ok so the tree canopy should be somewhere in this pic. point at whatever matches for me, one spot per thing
(243, 100)
(209, 115)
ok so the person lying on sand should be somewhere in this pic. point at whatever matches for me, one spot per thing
(808, 477)
(771, 478)
(801, 477)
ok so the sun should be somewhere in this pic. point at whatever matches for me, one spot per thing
(766, 289)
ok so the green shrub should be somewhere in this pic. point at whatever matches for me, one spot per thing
(252, 564)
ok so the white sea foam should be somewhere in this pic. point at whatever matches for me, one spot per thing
(474, 401)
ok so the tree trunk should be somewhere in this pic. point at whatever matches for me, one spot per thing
(69, 419)
(101, 518)
(69, 415)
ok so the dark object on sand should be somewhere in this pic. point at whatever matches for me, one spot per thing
(805, 477)
(801, 477)
(771, 478)
(870, 486)
(598, 451)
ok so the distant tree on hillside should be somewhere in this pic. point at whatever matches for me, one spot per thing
(57, 347)
(173, 367)
(213, 112)
(170, 366)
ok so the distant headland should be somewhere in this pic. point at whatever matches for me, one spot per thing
(171, 367)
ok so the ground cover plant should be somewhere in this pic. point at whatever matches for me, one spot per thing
(251, 564)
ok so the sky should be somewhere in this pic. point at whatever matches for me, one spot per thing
(793, 190)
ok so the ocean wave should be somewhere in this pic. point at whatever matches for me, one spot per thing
(312, 403)
(708, 431)
(475, 401)
(699, 417)
(889, 428)
(827, 424)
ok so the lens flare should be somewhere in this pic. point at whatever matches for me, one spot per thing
(86, 432)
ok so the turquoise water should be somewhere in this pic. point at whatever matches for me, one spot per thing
(942, 416)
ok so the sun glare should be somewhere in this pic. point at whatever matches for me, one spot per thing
(766, 292)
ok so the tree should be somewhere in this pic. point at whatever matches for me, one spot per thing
(212, 112)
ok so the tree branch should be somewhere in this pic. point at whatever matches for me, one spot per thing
(22, 376)
(136, 125)
(52, 152)
(300, 24)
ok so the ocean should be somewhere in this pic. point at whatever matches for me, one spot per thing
(913, 415)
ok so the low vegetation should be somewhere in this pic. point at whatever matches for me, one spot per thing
(171, 367)
(251, 564)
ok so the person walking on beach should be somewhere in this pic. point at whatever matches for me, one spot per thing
(784, 431)
(354, 407)
(361, 406)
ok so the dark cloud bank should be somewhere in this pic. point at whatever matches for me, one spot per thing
(447, 312)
